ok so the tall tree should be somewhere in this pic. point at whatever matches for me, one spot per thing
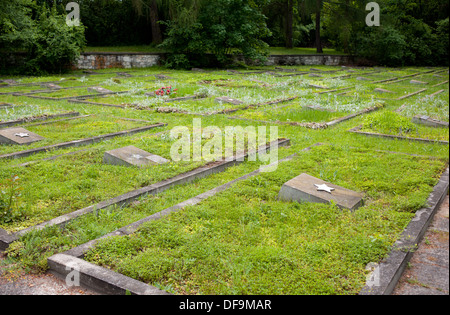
(149, 9)
(315, 7)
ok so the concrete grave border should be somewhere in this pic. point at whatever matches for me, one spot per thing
(357, 129)
(313, 125)
(390, 271)
(216, 167)
(106, 281)
(76, 143)
(25, 120)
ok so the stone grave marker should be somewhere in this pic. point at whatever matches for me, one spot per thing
(132, 156)
(306, 188)
(315, 75)
(98, 89)
(51, 86)
(162, 77)
(229, 100)
(379, 90)
(417, 82)
(363, 79)
(318, 86)
(428, 121)
(18, 136)
(124, 74)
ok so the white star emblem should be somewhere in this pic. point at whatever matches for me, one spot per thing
(324, 187)
(22, 135)
(137, 156)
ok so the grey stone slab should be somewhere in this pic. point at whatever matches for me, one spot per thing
(98, 89)
(132, 156)
(51, 86)
(18, 136)
(379, 90)
(318, 86)
(417, 82)
(229, 100)
(303, 189)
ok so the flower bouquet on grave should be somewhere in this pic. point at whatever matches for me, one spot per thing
(168, 90)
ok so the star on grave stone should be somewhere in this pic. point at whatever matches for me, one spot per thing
(22, 135)
(324, 187)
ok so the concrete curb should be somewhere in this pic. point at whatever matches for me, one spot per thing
(357, 129)
(6, 124)
(76, 143)
(387, 274)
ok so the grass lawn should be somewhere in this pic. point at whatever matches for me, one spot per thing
(242, 240)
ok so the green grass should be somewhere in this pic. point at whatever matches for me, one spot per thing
(242, 241)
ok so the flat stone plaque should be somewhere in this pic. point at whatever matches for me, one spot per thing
(307, 188)
(132, 156)
(417, 82)
(229, 100)
(379, 90)
(98, 89)
(18, 136)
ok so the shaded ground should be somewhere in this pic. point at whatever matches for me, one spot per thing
(428, 272)
(11, 284)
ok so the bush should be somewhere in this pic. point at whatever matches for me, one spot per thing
(51, 46)
(222, 28)
(56, 46)
(385, 45)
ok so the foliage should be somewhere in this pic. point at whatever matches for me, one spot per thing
(388, 120)
(222, 27)
(51, 46)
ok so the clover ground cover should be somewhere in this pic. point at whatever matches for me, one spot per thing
(245, 241)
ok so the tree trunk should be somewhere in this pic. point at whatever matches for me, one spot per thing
(290, 24)
(318, 23)
(154, 19)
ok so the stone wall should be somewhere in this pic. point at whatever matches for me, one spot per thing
(309, 60)
(92, 61)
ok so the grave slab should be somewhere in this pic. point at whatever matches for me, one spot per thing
(379, 90)
(132, 156)
(417, 82)
(18, 136)
(51, 86)
(98, 89)
(306, 188)
(229, 100)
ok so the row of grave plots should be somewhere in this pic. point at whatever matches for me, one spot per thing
(233, 239)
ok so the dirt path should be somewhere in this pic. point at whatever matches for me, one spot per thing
(46, 284)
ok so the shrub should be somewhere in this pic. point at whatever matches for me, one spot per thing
(222, 28)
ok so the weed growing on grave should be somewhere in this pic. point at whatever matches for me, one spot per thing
(10, 193)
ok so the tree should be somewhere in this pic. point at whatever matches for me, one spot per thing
(149, 9)
(315, 7)
(50, 44)
(221, 27)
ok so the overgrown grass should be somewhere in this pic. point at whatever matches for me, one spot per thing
(242, 241)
